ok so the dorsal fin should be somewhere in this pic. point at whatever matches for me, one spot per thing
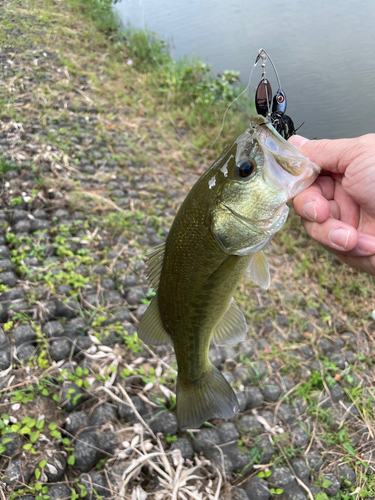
(151, 329)
(259, 271)
(154, 265)
(232, 327)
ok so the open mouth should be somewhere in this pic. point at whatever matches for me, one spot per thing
(285, 168)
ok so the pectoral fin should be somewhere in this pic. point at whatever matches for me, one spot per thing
(151, 329)
(259, 271)
(232, 327)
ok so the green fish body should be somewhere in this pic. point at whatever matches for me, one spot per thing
(229, 215)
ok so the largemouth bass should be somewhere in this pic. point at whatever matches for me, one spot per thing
(229, 215)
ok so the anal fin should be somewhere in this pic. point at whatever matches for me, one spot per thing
(151, 329)
(232, 327)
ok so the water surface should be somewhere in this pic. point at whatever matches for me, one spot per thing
(324, 51)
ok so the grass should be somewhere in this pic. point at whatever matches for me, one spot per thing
(99, 12)
(184, 92)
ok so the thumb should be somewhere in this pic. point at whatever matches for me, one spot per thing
(332, 155)
(298, 140)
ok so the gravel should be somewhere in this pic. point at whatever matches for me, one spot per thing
(216, 356)
(331, 489)
(249, 425)
(96, 485)
(327, 346)
(11, 447)
(314, 460)
(22, 334)
(271, 392)
(184, 446)
(257, 489)
(247, 348)
(165, 423)
(282, 477)
(60, 349)
(299, 437)
(347, 475)
(135, 296)
(266, 450)
(287, 413)
(228, 432)
(17, 473)
(59, 492)
(336, 393)
(205, 438)
(127, 413)
(72, 396)
(102, 414)
(8, 278)
(76, 421)
(239, 494)
(254, 397)
(53, 329)
(55, 468)
(301, 470)
(86, 450)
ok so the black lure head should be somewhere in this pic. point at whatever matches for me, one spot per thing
(280, 121)
(279, 102)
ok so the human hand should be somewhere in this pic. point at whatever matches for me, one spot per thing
(338, 210)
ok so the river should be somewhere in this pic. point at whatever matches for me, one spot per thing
(324, 51)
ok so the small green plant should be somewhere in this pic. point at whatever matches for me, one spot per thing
(16, 201)
(323, 482)
(171, 439)
(340, 438)
(263, 474)
(277, 491)
(149, 295)
(39, 492)
(321, 496)
(133, 342)
(5, 165)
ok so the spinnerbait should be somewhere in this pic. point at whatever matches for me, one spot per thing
(263, 99)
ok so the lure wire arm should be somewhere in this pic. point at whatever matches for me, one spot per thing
(264, 55)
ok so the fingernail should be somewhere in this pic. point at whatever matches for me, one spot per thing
(339, 237)
(366, 244)
(298, 140)
(309, 209)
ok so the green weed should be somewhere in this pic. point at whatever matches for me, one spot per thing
(100, 12)
(146, 47)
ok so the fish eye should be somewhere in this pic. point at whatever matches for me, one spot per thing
(280, 98)
(246, 167)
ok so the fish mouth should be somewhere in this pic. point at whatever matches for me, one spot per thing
(267, 226)
(284, 167)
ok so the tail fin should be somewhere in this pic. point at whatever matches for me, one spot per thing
(210, 397)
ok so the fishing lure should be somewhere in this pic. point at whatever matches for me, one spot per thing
(263, 100)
